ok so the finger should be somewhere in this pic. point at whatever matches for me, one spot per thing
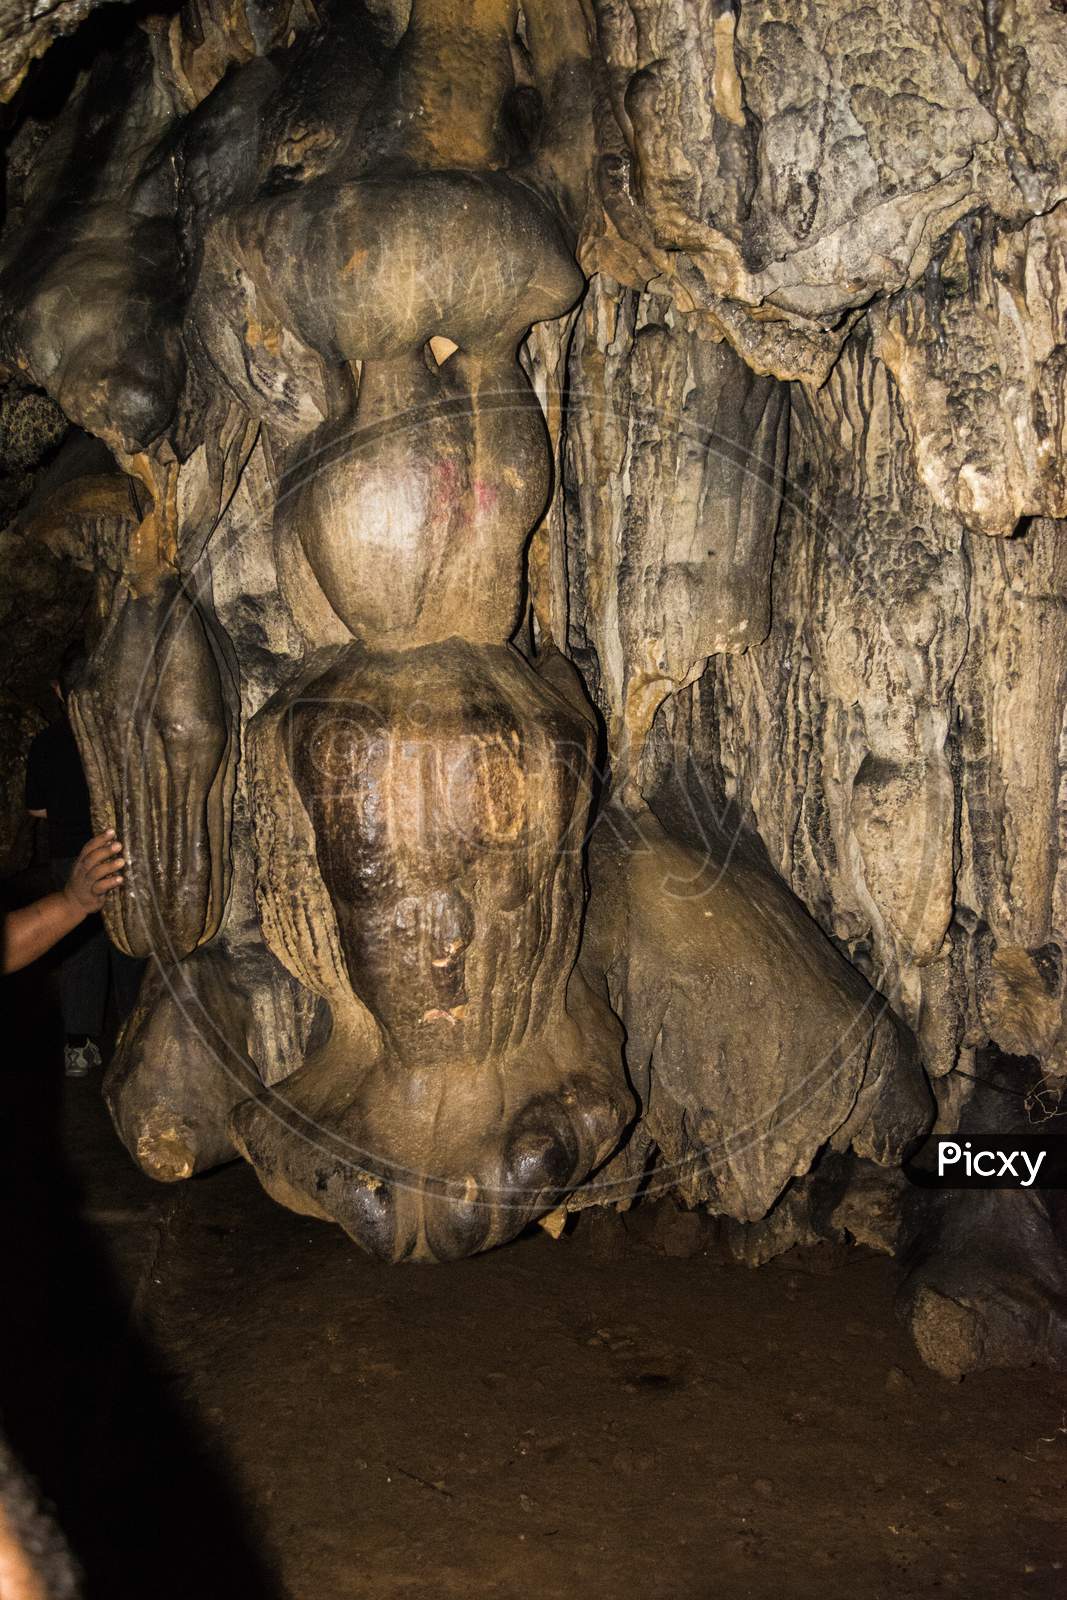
(104, 885)
(104, 858)
(103, 881)
(93, 852)
(104, 869)
(100, 850)
(99, 839)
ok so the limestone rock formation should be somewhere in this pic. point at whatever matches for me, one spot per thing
(576, 634)
(26, 31)
(694, 944)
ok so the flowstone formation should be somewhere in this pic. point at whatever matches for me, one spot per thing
(581, 705)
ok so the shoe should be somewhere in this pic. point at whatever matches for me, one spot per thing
(80, 1059)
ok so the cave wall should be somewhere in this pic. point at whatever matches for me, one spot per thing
(867, 208)
(807, 424)
(901, 756)
(836, 234)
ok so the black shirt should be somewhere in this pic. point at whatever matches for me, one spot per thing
(56, 783)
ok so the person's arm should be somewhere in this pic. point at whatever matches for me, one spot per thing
(33, 929)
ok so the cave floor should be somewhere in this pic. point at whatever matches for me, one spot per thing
(226, 1399)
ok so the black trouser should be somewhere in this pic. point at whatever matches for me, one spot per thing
(89, 961)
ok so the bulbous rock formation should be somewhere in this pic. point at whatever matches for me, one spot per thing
(572, 728)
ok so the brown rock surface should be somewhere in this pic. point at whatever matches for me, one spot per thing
(279, 261)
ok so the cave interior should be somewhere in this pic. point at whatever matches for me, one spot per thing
(602, 912)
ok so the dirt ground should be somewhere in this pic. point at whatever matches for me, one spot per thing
(223, 1399)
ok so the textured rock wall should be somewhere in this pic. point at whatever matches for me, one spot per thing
(794, 162)
(835, 735)
(979, 353)
(27, 31)
(868, 206)
(893, 733)
(671, 477)
(808, 432)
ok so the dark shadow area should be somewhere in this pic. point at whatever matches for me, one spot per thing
(84, 1399)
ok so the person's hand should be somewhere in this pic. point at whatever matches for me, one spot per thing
(95, 872)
